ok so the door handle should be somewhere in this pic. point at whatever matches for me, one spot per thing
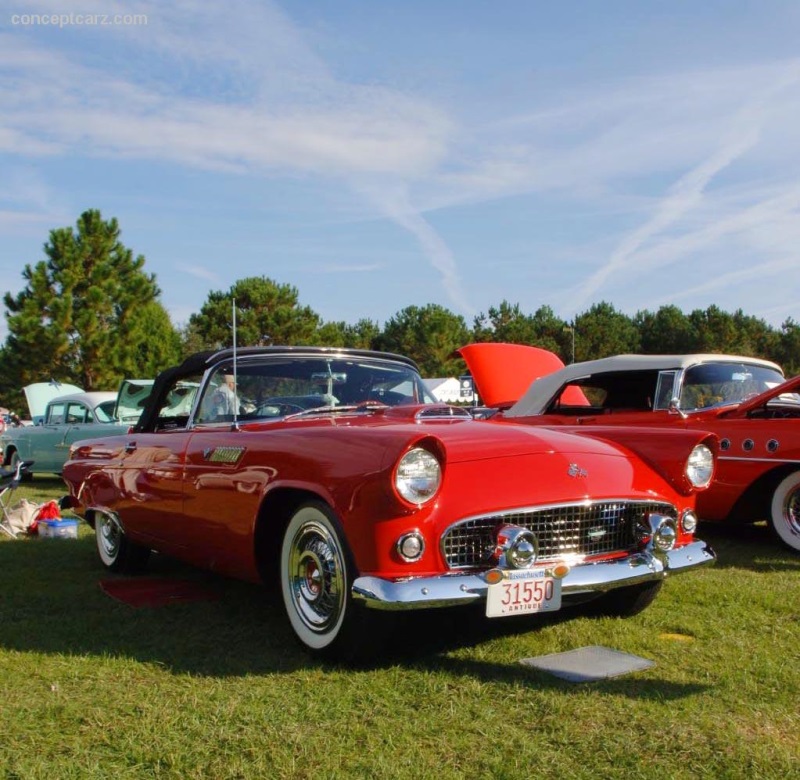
(130, 446)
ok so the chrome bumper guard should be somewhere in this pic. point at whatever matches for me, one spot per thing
(454, 589)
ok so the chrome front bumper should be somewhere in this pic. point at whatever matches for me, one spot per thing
(449, 590)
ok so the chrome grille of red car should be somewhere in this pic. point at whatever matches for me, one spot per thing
(567, 529)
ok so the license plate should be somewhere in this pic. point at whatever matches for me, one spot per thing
(523, 592)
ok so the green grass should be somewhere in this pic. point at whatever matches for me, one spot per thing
(95, 689)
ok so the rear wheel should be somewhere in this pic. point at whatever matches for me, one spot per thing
(116, 551)
(316, 580)
(626, 602)
(785, 511)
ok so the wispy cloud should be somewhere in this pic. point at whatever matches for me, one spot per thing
(741, 276)
(397, 205)
(276, 108)
(687, 192)
(347, 268)
(199, 272)
(243, 88)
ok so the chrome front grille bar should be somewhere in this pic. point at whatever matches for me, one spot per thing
(584, 529)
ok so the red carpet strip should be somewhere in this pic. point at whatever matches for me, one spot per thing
(157, 592)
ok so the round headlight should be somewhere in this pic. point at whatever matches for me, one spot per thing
(700, 466)
(418, 476)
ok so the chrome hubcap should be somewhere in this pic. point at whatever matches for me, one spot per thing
(791, 511)
(316, 576)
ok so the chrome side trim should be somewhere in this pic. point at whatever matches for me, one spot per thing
(449, 590)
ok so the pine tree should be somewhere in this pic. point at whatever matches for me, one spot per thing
(88, 314)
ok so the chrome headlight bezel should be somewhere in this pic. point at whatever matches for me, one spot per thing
(410, 547)
(699, 468)
(689, 521)
(418, 476)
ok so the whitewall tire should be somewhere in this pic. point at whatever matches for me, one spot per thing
(316, 578)
(116, 551)
(785, 511)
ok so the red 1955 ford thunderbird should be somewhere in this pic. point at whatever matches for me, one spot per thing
(336, 475)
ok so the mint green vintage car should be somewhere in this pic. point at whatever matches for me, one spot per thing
(61, 419)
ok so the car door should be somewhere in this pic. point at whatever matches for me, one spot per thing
(81, 423)
(642, 397)
(148, 471)
(224, 483)
(77, 425)
(45, 439)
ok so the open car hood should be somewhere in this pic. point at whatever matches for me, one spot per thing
(39, 394)
(131, 399)
(503, 372)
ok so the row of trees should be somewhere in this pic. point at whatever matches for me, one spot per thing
(90, 314)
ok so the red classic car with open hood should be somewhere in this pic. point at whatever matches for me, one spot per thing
(746, 402)
(336, 474)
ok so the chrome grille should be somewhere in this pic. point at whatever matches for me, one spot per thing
(567, 529)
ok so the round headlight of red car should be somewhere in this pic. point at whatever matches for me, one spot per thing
(418, 476)
(700, 466)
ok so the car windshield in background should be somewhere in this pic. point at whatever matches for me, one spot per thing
(105, 412)
(131, 399)
(290, 385)
(713, 384)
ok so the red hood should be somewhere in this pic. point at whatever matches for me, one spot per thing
(465, 439)
(475, 440)
(503, 372)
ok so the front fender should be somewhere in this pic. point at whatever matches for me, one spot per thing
(664, 449)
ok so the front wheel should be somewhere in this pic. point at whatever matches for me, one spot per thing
(316, 577)
(785, 511)
(117, 552)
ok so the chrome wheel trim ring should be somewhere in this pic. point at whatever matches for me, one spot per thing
(316, 577)
(109, 538)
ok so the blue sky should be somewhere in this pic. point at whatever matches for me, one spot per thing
(382, 153)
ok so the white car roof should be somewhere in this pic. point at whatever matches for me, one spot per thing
(539, 394)
(91, 399)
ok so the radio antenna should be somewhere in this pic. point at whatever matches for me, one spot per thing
(235, 423)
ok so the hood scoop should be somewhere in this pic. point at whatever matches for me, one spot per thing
(443, 412)
(428, 413)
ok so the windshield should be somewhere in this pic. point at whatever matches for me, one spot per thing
(105, 411)
(713, 384)
(282, 386)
